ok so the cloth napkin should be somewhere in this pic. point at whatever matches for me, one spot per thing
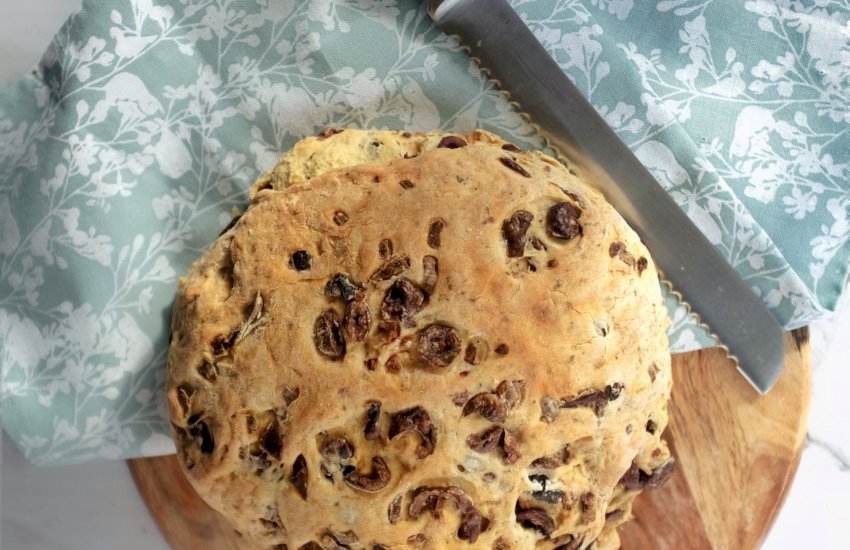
(124, 152)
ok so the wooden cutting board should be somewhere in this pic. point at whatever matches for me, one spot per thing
(737, 454)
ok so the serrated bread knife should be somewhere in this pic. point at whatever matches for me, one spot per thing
(506, 49)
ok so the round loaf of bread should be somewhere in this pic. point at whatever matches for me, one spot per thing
(421, 341)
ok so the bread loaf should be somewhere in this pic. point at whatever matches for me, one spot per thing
(421, 341)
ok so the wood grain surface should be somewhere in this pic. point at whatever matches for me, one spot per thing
(737, 454)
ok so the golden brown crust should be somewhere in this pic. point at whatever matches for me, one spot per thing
(498, 379)
(335, 148)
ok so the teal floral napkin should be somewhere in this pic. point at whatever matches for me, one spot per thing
(124, 152)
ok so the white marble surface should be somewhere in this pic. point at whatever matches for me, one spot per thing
(95, 506)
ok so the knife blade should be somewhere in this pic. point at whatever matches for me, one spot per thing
(506, 49)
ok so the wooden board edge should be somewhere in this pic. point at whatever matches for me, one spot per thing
(802, 343)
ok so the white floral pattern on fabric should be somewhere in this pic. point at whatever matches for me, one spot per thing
(124, 153)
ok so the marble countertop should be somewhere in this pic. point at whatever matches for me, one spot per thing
(95, 505)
